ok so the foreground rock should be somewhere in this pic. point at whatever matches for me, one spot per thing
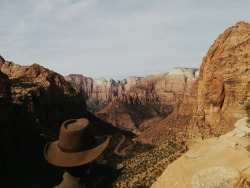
(216, 162)
(219, 177)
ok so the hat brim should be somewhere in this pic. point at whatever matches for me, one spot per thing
(55, 156)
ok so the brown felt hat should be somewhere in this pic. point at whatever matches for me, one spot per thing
(77, 144)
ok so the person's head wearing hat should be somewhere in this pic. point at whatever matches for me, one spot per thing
(77, 145)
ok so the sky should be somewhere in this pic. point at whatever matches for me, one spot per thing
(114, 38)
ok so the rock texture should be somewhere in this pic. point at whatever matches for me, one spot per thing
(219, 177)
(42, 100)
(98, 88)
(216, 162)
(162, 94)
(152, 89)
(224, 81)
(156, 95)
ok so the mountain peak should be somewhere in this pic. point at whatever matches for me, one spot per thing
(241, 24)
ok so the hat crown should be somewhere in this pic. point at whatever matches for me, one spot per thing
(76, 135)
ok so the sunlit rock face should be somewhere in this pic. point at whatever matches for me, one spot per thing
(157, 88)
(224, 83)
(86, 83)
(129, 102)
(215, 162)
(96, 88)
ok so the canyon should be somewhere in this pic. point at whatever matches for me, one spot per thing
(152, 120)
(207, 102)
(129, 102)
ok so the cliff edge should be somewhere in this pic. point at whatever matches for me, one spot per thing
(224, 80)
(216, 162)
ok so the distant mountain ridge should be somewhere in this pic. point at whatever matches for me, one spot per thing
(156, 95)
(110, 90)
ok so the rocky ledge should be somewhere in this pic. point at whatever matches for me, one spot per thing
(216, 162)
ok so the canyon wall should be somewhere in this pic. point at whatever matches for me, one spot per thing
(99, 88)
(129, 102)
(153, 89)
(40, 101)
(224, 81)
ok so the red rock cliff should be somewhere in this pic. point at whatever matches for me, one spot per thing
(41, 96)
(224, 82)
(158, 89)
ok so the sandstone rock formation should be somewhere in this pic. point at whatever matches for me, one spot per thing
(160, 95)
(150, 89)
(155, 95)
(42, 100)
(216, 162)
(219, 177)
(224, 81)
(98, 88)
(161, 89)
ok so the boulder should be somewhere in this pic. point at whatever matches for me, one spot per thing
(219, 177)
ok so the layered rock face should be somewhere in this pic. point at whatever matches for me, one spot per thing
(98, 88)
(224, 82)
(97, 92)
(133, 100)
(154, 89)
(216, 162)
(42, 100)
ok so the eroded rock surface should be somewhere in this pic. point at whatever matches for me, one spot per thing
(221, 177)
(224, 81)
(131, 101)
(208, 158)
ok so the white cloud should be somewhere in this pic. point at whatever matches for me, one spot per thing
(114, 37)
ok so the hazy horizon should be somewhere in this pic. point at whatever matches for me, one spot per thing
(114, 39)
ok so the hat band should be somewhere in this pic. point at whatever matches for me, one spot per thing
(73, 150)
